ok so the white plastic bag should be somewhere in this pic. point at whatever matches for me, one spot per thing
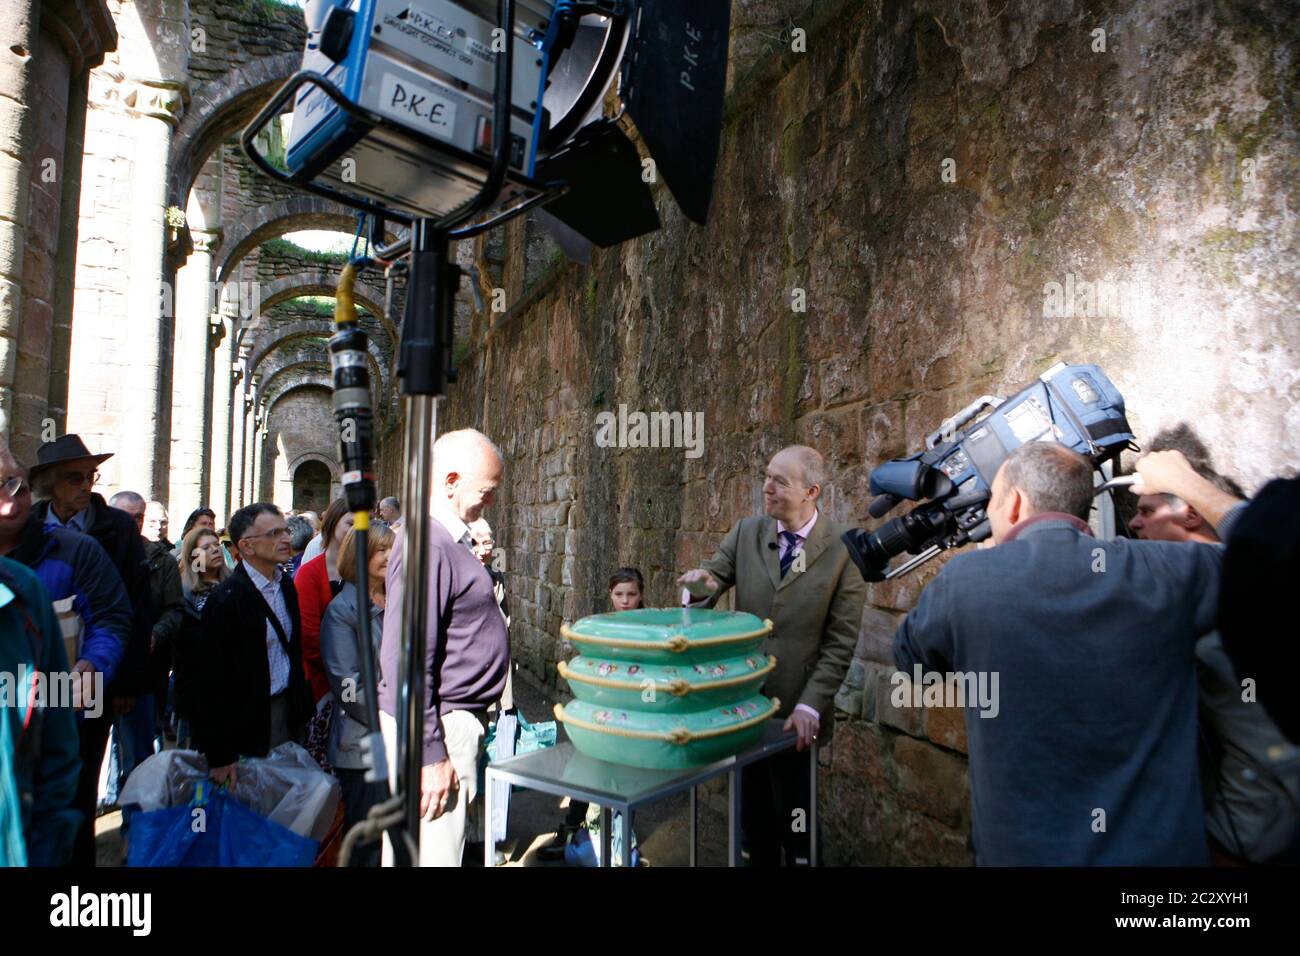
(287, 787)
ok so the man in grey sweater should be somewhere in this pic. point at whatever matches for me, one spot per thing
(468, 650)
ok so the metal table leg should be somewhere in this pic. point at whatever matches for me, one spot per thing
(489, 841)
(606, 836)
(733, 818)
(695, 805)
(813, 848)
(626, 853)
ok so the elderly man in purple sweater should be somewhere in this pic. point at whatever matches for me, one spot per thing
(468, 656)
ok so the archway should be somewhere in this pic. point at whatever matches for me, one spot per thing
(311, 486)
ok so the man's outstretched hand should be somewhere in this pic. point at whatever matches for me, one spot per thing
(700, 583)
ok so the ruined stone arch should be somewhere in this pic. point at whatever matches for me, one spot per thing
(329, 463)
(272, 221)
(336, 470)
(219, 109)
(323, 282)
(302, 377)
(300, 330)
(299, 428)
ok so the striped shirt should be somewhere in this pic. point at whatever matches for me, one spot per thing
(277, 658)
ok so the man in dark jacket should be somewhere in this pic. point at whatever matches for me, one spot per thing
(135, 731)
(61, 481)
(1082, 736)
(254, 695)
(43, 734)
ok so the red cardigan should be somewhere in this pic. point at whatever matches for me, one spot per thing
(314, 594)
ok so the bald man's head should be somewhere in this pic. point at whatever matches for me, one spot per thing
(467, 468)
(793, 483)
(1039, 477)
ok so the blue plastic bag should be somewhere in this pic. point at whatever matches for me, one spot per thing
(581, 850)
(227, 833)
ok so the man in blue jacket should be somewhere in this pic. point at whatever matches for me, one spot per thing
(83, 582)
(73, 569)
(39, 736)
(1088, 756)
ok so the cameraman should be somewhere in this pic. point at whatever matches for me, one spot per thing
(1091, 757)
(1250, 774)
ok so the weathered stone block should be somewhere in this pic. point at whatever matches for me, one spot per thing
(931, 780)
(905, 718)
(946, 726)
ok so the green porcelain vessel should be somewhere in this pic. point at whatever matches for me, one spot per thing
(668, 635)
(665, 741)
(668, 688)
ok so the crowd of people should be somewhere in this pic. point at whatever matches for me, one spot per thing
(200, 644)
(1140, 721)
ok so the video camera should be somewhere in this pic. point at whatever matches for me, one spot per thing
(1075, 405)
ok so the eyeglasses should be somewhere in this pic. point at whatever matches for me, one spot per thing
(78, 478)
(13, 487)
(281, 532)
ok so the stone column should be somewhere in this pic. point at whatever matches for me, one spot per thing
(237, 438)
(255, 464)
(250, 442)
(190, 382)
(46, 49)
(123, 306)
(219, 455)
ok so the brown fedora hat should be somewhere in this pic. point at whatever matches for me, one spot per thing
(64, 448)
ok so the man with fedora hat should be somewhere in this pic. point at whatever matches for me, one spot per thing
(63, 481)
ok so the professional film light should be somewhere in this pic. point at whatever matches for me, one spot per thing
(430, 113)
(394, 109)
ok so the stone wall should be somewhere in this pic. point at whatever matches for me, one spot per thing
(916, 180)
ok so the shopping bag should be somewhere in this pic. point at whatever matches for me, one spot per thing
(510, 735)
(583, 847)
(214, 830)
(286, 787)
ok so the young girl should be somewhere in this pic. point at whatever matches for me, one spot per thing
(626, 589)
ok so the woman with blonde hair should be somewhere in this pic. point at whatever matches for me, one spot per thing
(203, 566)
(340, 643)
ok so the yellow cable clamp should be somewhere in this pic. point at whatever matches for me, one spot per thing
(345, 309)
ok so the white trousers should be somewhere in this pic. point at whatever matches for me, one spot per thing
(442, 841)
